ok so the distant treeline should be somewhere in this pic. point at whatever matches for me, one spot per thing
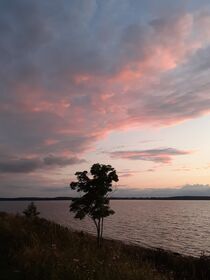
(33, 198)
(112, 198)
(164, 198)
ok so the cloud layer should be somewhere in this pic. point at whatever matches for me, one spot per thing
(117, 72)
(27, 165)
(69, 76)
(156, 155)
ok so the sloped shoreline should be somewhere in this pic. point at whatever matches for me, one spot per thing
(40, 249)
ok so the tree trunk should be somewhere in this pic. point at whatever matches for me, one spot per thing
(102, 228)
(99, 229)
(98, 235)
(97, 224)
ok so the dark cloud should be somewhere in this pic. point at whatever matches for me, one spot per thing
(61, 161)
(19, 165)
(156, 155)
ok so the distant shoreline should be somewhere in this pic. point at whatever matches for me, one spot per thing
(112, 198)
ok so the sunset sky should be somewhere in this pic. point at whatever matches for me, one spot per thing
(120, 82)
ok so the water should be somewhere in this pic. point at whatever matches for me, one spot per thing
(179, 226)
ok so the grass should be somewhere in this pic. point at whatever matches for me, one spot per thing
(40, 249)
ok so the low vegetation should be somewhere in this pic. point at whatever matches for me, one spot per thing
(31, 211)
(40, 249)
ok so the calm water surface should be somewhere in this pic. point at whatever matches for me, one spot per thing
(180, 226)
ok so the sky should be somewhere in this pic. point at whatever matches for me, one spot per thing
(120, 82)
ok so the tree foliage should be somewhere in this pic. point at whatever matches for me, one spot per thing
(95, 201)
(31, 211)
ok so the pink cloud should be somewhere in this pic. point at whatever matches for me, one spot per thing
(155, 155)
(62, 96)
(69, 77)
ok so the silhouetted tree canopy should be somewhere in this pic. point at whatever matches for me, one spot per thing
(95, 201)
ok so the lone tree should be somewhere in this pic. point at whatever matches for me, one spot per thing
(95, 201)
(31, 211)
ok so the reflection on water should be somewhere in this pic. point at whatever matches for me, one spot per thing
(181, 226)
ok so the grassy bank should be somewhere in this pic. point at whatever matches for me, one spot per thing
(39, 249)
